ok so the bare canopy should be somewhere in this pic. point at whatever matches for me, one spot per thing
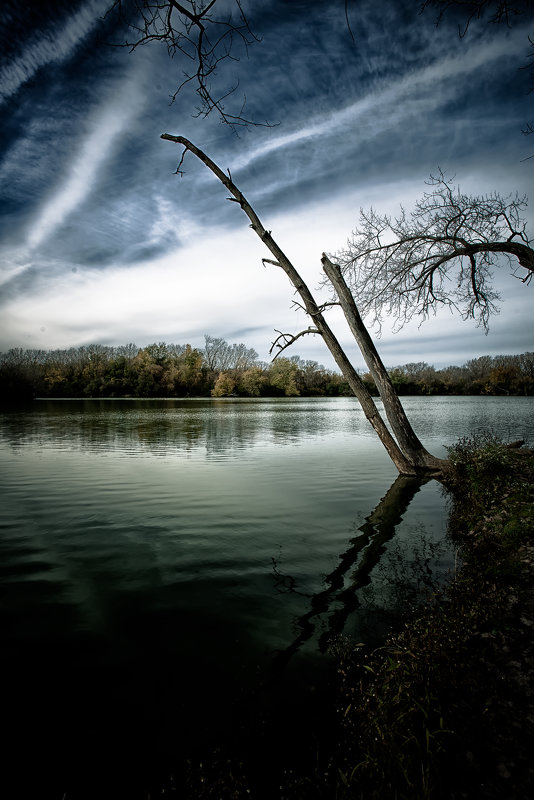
(441, 254)
(204, 33)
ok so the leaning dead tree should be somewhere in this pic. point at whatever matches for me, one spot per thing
(202, 34)
(441, 254)
(403, 446)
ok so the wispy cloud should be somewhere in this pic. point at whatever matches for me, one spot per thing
(110, 121)
(424, 88)
(102, 242)
(55, 44)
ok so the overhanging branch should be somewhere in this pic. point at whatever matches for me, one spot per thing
(288, 339)
(203, 36)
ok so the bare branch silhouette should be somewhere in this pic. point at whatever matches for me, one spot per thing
(441, 254)
(203, 35)
(288, 339)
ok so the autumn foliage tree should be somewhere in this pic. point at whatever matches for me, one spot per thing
(159, 370)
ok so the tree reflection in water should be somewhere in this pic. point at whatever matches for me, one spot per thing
(365, 551)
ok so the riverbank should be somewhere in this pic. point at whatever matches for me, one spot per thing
(445, 708)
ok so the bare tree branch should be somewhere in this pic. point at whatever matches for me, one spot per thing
(439, 255)
(203, 38)
(288, 339)
(497, 11)
(505, 12)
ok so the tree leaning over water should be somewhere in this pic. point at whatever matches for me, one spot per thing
(404, 448)
(475, 230)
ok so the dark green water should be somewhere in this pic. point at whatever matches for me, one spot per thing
(173, 572)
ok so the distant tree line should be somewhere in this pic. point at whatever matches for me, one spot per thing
(220, 369)
(492, 375)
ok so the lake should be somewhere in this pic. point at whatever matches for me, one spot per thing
(175, 572)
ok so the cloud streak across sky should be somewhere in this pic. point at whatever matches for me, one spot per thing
(55, 44)
(81, 176)
(100, 241)
(428, 87)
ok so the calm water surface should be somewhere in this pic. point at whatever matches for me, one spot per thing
(173, 568)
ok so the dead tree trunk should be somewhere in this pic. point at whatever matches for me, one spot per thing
(400, 425)
(402, 461)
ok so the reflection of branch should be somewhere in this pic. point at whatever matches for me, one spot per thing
(288, 339)
(368, 547)
(285, 583)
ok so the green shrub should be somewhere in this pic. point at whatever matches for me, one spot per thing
(480, 454)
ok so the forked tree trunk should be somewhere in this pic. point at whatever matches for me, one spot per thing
(404, 462)
(400, 424)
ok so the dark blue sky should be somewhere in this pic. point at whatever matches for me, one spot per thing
(100, 242)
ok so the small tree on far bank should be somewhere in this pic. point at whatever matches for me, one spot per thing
(224, 385)
(283, 375)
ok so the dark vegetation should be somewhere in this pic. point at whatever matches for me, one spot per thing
(221, 369)
(445, 709)
(160, 370)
